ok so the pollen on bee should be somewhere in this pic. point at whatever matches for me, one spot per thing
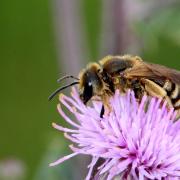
(116, 80)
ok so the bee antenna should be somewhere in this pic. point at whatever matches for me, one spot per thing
(60, 89)
(66, 77)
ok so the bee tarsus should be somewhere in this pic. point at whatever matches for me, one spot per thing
(102, 111)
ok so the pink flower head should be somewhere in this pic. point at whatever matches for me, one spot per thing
(135, 141)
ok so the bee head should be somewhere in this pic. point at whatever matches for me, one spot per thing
(90, 82)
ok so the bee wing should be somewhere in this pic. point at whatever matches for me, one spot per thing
(153, 71)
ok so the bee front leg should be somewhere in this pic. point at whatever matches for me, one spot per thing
(106, 104)
(102, 111)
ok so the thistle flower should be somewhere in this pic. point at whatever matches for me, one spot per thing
(135, 141)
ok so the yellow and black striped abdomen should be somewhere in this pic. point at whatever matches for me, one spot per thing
(173, 92)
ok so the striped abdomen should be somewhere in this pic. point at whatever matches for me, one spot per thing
(173, 92)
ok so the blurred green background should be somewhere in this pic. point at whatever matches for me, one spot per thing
(32, 58)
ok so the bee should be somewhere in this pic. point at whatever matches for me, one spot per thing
(124, 73)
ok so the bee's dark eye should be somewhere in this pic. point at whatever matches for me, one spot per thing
(87, 93)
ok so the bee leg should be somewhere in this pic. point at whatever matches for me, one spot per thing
(137, 88)
(106, 104)
(155, 90)
(102, 111)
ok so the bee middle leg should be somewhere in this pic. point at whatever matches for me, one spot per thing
(137, 88)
